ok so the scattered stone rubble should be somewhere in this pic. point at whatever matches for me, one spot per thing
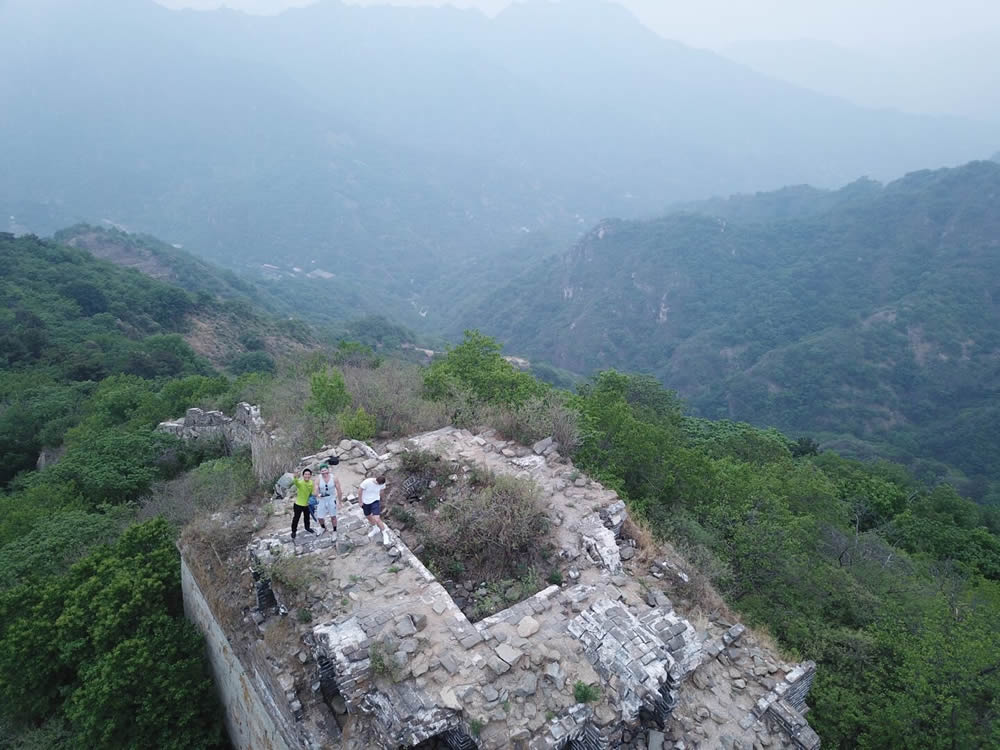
(389, 660)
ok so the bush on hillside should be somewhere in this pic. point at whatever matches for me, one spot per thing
(357, 424)
(328, 394)
(393, 394)
(476, 366)
(254, 361)
(106, 645)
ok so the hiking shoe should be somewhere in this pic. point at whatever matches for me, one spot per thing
(310, 531)
(373, 531)
(322, 531)
(386, 539)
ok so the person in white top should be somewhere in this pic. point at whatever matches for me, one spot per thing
(370, 493)
(329, 495)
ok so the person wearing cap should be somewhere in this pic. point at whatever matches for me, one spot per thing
(329, 495)
(303, 489)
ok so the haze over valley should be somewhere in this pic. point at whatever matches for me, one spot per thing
(417, 146)
(736, 263)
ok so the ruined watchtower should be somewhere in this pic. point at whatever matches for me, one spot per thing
(598, 660)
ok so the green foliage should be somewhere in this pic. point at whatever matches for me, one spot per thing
(110, 465)
(377, 332)
(421, 462)
(106, 645)
(381, 658)
(75, 318)
(889, 586)
(121, 698)
(253, 361)
(619, 445)
(356, 354)
(855, 315)
(357, 424)
(805, 446)
(56, 540)
(477, 366)
(328, 394)
(584, 693)
(252, 342)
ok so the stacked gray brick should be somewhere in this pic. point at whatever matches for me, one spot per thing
(408, 716)
(614, 516)
(631, 659)
(571, 730)
(784, 707)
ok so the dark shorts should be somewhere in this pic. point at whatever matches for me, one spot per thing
(372, 509)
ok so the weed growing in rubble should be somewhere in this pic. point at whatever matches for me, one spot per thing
(382, 660)
(584, 693)
(294, 573)
(475, 727)
(404, 517)
(555, 578)
(420, 462)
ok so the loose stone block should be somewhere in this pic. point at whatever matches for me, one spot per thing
(527, 627)
(509, 654)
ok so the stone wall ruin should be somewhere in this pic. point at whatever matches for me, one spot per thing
(391, 656)
(198, 424)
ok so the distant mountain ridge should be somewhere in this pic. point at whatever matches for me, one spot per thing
(876, 315)
(947, 76)
(411, 152)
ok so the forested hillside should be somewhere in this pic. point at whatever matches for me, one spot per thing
(867, 316)
(409, 153)
(889, 584)
(68, 321)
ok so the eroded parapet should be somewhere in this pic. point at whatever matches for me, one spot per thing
(632, 659)
(236, 431)
(679, 637)
(784, 707)
(574, 729)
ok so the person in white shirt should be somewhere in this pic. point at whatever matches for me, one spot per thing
(370, 493)
(329, 495)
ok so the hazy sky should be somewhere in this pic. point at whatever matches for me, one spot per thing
(715, 23)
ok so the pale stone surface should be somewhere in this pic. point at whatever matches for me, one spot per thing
(515, 671)
(527, 627)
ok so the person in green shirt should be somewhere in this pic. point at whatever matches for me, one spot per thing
(303, 489)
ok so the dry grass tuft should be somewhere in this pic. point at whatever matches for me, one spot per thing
(212, 486)
(293, 575)
(639, 532)
(534, 420)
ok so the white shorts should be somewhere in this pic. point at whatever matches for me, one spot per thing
(327, 507)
